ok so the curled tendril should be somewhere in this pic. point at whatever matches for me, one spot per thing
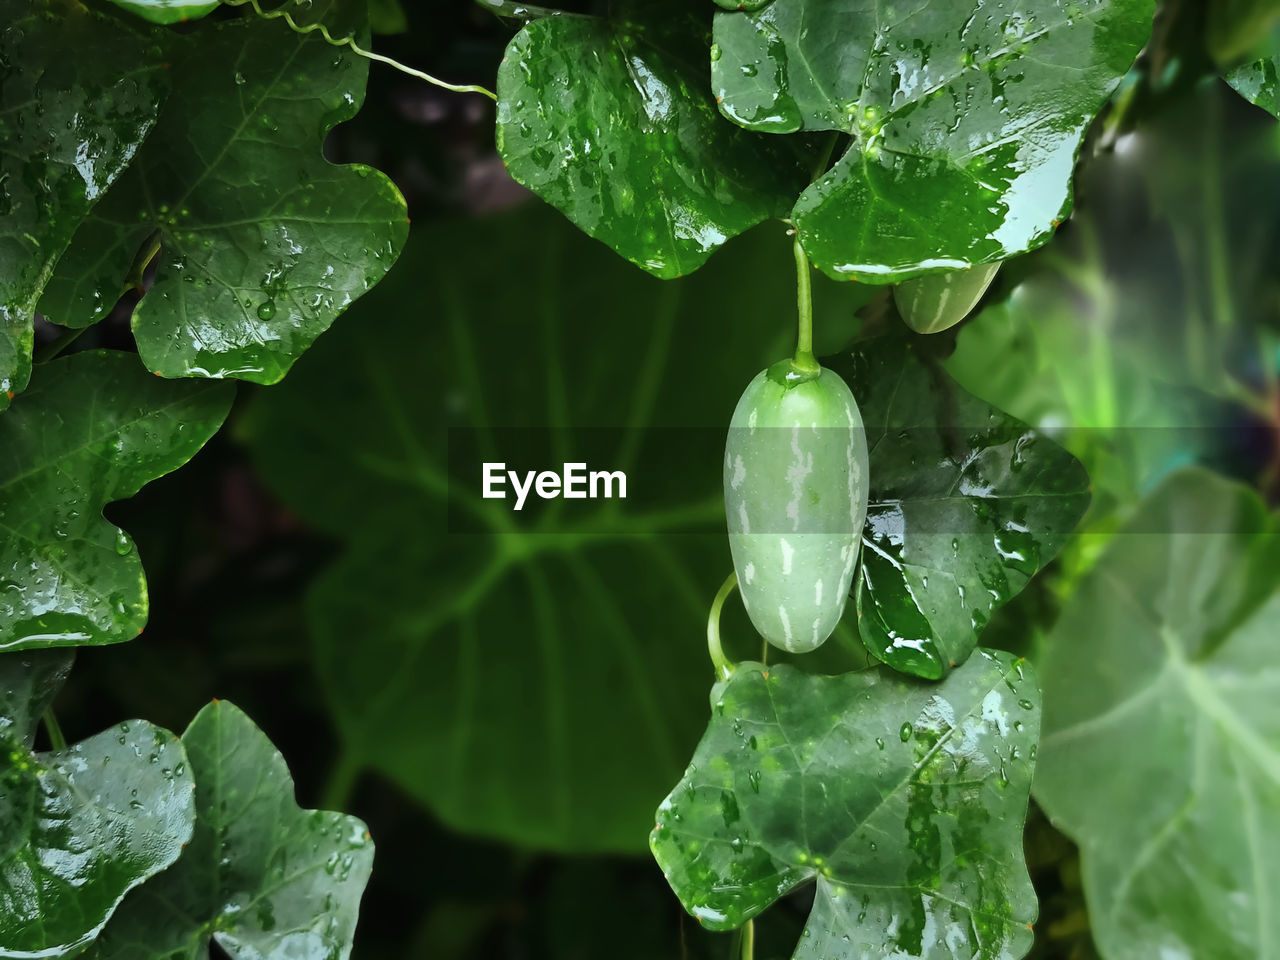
(350, 41)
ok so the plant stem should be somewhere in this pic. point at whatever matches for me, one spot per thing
(724, 667)
(56, 739)
(749, 940)
(804, 359)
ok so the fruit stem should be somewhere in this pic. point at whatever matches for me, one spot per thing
(749, 940)
(804, 360)
(724, 667)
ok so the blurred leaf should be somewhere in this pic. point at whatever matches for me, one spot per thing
(610, 122)
(965, 120)
(169, 11)
(261, 877)
(1237, 26)
(537, 675)
(79, 827)
(95, 428)
(1153, 293)
(967, 503)
(1161, 749)
(262, 242)
(70, 125)
(904, 801)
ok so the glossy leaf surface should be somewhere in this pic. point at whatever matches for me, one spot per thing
(611, 124)
(69, 126)
(261, 877)
(1161, 751)
(169, 11)
(1258, 78)
(94, 428)
(262, 242)
(79, 827)
(965, 120)
(967, 503)
(904, 801)
(490, 662)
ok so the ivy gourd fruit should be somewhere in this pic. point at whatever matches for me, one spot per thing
(795, 494)
(936, 302)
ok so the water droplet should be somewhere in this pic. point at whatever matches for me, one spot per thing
(266, 309)
(124, 546)
(754, 778)
(904, 734)
(715, 52)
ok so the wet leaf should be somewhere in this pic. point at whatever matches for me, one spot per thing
(966, 504)
(169, 11)
(610, 123)
(1258, 78)
(94, 428)
(904, 801)
(1161, 750)
(70, 125)
(79, 827)
(261, 877)
(965, 121)
(262, 242)
(489, 661)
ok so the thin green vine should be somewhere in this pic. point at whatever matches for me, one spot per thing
(724, 667)
(356, 48)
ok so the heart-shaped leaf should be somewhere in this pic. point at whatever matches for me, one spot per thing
(504, 655)
(94, 428)
(1161, 751)
(261, 877)
(966, 504)
(79, 827)
(905, 802)
(70, 124)
(262, 242)
(610, 123)
(965, 119)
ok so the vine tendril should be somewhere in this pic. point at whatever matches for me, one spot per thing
(303, 29)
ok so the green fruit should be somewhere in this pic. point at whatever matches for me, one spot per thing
(932, 303)
(795, 494)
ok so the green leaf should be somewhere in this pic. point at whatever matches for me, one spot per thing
(1258, 78)
(262, 242)
(904, 801)
(966, 504)
(261, 877)
(965, 121)
(70, 125)
(610, 123)
(534, 676)
(1161, 750)
(169, 11)
(94, 428)
(79, 827)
